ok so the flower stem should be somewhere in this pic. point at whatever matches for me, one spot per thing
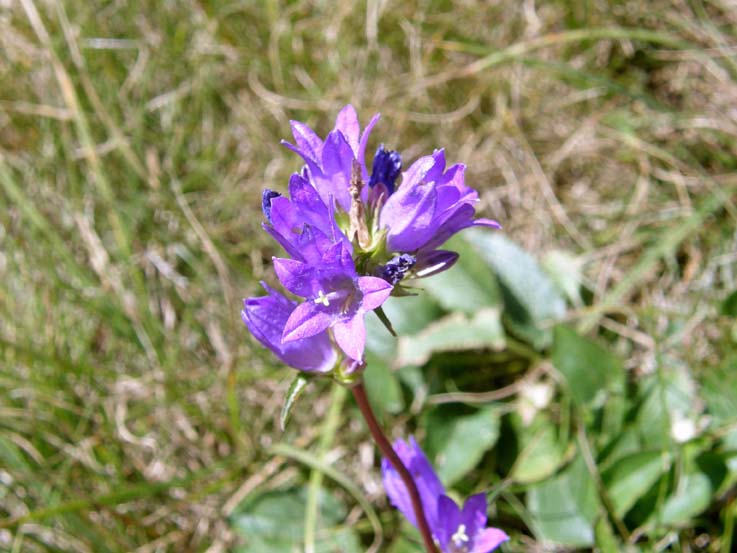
(359, 393)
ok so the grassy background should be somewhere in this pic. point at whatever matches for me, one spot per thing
(136, 137)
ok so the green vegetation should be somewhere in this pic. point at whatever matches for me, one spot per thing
(584, 361)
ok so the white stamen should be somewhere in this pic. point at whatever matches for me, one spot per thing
(322, 298)
(460, 536)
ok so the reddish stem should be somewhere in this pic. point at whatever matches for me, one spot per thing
(359, 392)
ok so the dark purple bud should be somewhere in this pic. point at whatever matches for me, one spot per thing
(386, 168)
(434, 262)
(266, 198)
(397, 267)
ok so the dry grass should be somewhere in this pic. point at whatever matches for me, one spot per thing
(135, 141)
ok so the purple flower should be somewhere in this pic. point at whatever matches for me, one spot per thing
(266, 316)
(330, 162)
(454, 530)
(333, 208)
(336, 298)
(304, 226)
(430, 206)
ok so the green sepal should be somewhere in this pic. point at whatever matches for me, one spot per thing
(344, 375)
(385, 320)
(296, 388)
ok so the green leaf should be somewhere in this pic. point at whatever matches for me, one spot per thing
(468, 286)
(729, 305)
(531, 299)
(541, 453)
(458, 443)
(691, 498)
(382, 386)
(565, 507)
(589, 369)
(408, 315)
(274, 521)
(719, 390)
(403, 545)
(564, 269)
(669, 396)
(631, 477)
(695, 489)
(455, 332)
(295, 390)
(604, 536)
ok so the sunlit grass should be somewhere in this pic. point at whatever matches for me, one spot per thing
(135, 141)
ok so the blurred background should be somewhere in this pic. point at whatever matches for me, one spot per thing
(579, 366)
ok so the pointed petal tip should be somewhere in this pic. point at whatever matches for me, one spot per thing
(489, 223)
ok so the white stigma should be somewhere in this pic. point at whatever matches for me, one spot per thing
(460, 536)
(322, 298)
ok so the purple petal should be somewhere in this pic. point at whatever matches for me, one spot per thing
(397, 491)
(265, 318)
(416, 173)
(450, 224)
(449, 520)
(310, 145)
(311, 208)
(347, 123)
(361, 157)
(474, 513)
(337, 162)
(351, 336)
(436, 171)
(301, 240)
(294, 148)
(427, 482)
(375, 291)
(342, 257)
(306, 320)
(409, 215)
(486, 223)
(487, 540)
(295, 276)
(284, 242)
(454, 177)
(448, 198)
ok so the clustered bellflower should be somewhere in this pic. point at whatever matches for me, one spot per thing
(353, 237)
(454, 529)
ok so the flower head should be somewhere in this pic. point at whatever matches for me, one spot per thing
(353, 238)
(428, 206)
(454, 530)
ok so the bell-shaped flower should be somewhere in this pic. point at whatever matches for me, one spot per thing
(428, 484)
(266, 316)
(330, 162)
(454, 530)
(417, 214)
(302, 224)
(336, 298)
(429, 206)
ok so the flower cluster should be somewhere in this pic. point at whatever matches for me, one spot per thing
(454, 530)
(353, 239)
